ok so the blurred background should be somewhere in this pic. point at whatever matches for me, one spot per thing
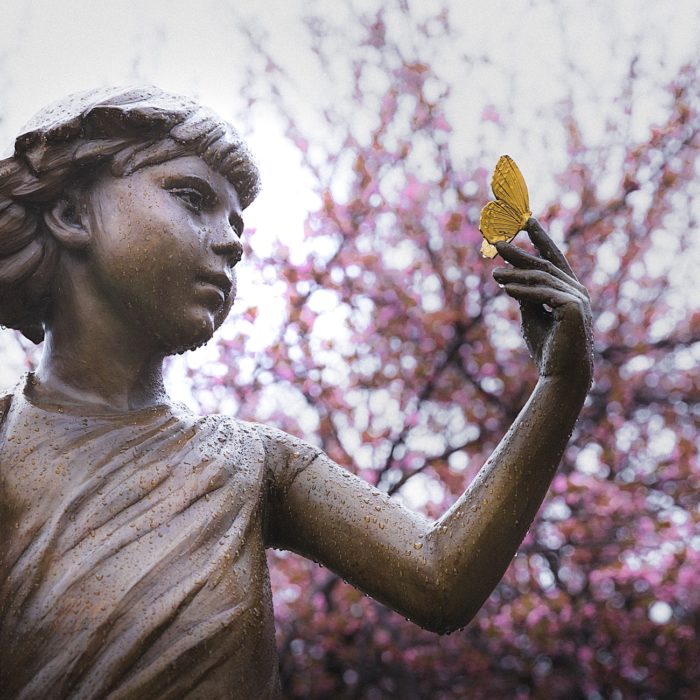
(368, 324)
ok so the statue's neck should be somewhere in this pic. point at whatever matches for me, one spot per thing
(92, 358)
(99, 381)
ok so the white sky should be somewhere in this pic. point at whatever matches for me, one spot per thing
(49, 48)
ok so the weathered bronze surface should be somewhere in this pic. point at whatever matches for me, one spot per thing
(132, 555)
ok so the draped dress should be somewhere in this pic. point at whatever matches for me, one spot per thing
(132, 552)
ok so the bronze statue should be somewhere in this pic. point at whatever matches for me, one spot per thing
(132, 558)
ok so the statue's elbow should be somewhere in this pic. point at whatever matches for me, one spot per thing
(447, 613)
(446, 624)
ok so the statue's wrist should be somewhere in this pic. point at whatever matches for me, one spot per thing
(574, 383)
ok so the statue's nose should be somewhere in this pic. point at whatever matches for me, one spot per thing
(225, 242)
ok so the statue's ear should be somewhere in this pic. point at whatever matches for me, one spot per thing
(66, 223)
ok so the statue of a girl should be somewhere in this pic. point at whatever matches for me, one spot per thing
(133, 533)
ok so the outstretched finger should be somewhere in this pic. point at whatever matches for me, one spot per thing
(546, 246)
(555, 298)
(523, 260)
(542, 278)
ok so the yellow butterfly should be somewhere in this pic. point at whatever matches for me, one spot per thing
(501, 220)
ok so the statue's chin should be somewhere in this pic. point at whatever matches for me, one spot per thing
(195, 338)
(185, 348)
(190, 330)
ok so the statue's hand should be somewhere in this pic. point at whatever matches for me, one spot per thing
(555, 307)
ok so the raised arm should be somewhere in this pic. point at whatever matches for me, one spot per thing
(439, 574)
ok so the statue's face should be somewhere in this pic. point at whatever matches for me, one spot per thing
(163, 244)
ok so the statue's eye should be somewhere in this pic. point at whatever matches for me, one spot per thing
(192, 198)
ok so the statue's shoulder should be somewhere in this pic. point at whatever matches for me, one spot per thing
(285, 455)
(275, 440)
(282, 452)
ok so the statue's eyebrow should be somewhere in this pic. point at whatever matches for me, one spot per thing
(195, 182)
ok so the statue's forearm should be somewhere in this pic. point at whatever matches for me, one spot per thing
(471, 546)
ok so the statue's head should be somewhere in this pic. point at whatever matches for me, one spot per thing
(67, 147)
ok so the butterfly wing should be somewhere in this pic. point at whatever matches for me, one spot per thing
(499, 222)
(508, 185)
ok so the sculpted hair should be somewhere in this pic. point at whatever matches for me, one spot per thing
(123, 129)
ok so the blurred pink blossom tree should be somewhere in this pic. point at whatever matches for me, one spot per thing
(392, 348)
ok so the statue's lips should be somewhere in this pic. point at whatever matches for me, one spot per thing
(215, 285)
